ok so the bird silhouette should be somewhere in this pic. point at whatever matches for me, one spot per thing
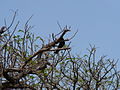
(61, 44)
(2, 30)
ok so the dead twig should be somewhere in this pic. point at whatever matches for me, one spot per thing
(45, 48)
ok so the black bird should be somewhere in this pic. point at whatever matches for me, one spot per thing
(61, 44)
(2, 30)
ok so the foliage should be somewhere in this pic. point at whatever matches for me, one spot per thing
(26, 64)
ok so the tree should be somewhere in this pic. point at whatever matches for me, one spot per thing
(26, 64)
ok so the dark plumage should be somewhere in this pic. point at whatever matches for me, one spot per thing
(2, 30)
(61, 44)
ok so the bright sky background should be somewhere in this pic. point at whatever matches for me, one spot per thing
(98, 21)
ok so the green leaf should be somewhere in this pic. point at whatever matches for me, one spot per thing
(21, 39)
(34, 85)
(80, 80)
(20, 31)
(37, 37)
(109, 81)
(27, 37)
(31, 77)
(41, 39)
(17, 36)
(85, 55)
(67, 58)
(62, 62)
(58, 76)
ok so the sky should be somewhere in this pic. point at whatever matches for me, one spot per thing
(97, 21)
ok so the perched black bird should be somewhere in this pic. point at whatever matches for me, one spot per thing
(61, 44)
(2, 30)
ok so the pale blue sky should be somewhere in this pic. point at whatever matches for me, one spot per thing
(98, 21)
